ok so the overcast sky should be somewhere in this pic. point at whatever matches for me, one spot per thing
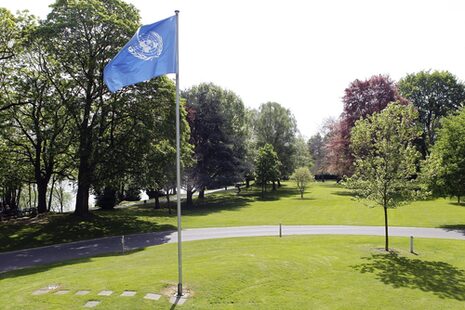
(303, 54)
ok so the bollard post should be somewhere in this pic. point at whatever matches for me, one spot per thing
(280, 230)
(411, 245)
(122, 243)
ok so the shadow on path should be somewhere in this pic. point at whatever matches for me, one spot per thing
(442, 279)
(457, 228)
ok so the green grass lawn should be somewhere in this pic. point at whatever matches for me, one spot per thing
(298, 272)
(324, 204)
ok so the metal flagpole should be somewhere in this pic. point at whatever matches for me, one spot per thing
(178, 160)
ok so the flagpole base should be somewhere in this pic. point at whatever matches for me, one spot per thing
(179, 294)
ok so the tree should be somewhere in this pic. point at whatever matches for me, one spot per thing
(267, 166)
(444, 169)
(435, 95)
(83, 36)
(301, 177)
(385, 159)
(361, 99)
(216, 118)
(277, 126)
(302, 156)
(316, 149)
(251, 116)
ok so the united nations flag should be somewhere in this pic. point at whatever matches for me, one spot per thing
(150, 53)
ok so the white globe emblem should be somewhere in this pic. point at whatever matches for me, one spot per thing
(148, 46)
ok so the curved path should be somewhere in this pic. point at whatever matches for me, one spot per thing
(88, 248)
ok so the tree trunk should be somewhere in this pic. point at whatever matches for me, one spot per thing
(247, 183)
(386, 247)
(51, 194)
(18, 197)
(157, 200)
(42, 196)
(301, 194)
(189, 194)
(168, 201)
(85, 168)
(84, 181)
(279, 183)
(202, 193)
(458, 198)
(274, 186)
(30, 196)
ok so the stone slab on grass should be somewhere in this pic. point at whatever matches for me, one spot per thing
(41, 291)
(92, 304)
(175, 300)
(62, 292)
(105, 293)
(82, 292)
(128, 293)
(152, 296)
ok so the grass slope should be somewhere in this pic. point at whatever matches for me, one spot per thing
(300, 272)
(324, 203)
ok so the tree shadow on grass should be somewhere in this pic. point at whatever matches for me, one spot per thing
(344, 193)
(56, 229)
(38, 268)
(440, 278)
(30, 261)
(303, 199)
(460, 228)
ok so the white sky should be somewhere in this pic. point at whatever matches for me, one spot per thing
(303, 54)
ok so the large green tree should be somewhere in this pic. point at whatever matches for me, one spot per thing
(385, 159)
(267, 166)
(217, 120)
(38, 124)
(444, 169)
(435, 95)
(277, 126)
(83, 36)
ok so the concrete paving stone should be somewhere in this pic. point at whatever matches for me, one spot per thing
(41, 291)
(105, 293)
(128, 293)
(82, 292)
(152, 296)
(92, 304)
(175, 300)
(61, 292)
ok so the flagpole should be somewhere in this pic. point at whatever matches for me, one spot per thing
(178, 160)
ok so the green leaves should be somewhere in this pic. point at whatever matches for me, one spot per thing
(301, 177)
(444, 169)
(385, 157)
(267, 165)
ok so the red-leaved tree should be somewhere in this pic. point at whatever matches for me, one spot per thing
(361, 98)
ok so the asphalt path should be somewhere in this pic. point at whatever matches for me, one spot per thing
(89, 248)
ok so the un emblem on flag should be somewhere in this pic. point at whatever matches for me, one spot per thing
(147, 46)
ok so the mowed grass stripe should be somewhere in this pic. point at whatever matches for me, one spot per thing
(298, 272)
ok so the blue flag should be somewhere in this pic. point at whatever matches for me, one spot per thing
(151, 52)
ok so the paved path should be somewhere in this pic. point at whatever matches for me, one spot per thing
(81, 249)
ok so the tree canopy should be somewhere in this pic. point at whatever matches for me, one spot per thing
(267, 166)
(444, 169)
(361, 99)
(277, 126)
(435, 95)
(217, 122)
